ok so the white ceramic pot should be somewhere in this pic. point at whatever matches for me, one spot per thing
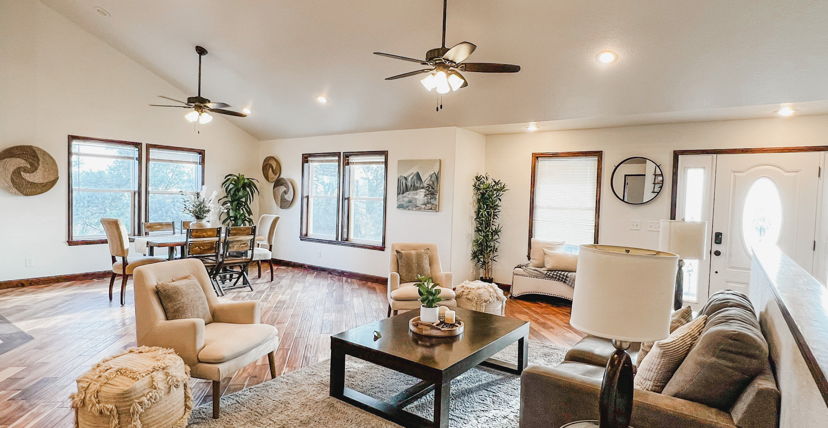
(199, 224)
(429, 314)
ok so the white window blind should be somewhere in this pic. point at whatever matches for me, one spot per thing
(564, 199)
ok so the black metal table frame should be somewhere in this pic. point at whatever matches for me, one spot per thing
(431, 379)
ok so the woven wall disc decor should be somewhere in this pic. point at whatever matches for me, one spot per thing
(27, 170)
(284, 192)
(271, 169)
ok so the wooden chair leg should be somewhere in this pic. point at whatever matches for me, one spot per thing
(259, 266)
(216, 398)
(111, 285)
(123, 289)
(271, 361)
(389, 312)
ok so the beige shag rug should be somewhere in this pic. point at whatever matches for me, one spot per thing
(481, 397)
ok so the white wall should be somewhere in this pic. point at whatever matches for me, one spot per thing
(56, 80)
(508, 157)
(470, 160)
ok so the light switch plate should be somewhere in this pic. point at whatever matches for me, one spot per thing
(635, 225)
(654, 225)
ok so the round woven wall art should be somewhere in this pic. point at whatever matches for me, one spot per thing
(284, 192)
(271, 169)
(27, 170)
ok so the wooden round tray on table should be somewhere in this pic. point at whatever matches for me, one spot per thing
(438, 329)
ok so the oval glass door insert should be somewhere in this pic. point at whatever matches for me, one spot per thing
(762, 214)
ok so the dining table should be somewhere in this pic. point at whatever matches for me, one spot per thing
(171, 242)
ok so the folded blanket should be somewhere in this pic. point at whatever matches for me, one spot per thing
(565, 277)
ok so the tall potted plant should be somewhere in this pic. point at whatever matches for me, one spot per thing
(488, 198)
(239, 192)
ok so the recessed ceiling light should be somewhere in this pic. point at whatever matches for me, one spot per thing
(322, 99)
(103, 12)
(786, 111)
(532, 127)
(246, 111)
(607, 57)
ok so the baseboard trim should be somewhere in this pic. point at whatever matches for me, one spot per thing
(26, 282)
(348, 274)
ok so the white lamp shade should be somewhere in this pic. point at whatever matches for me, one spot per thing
(624, 293)
(688, 239)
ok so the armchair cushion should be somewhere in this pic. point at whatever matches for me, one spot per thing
(225, 341)
(184, 299)
(412, 263)
(408, 291)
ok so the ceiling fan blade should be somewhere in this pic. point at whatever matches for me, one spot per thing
(488, 67)
(218, 105)
(404, 58)
(410, 73)
(173, 99)
(227, 112)
(460, 52)
(164, 105)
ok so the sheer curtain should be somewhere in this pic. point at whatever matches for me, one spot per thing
(564, 199)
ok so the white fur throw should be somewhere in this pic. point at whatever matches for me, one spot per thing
(480, 294)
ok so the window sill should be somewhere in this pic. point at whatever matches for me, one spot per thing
(76, 242)
(380, 247)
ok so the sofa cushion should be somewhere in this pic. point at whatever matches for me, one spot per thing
(662, 361)
(411, 263)
(677, 319)
(556, 259)
(184, 298)
(536, 251)
(225, 341)
(729, 354)
(409, 291)
(726, 299)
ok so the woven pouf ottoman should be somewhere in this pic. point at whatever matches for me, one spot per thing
(142, 387)
(481, 296)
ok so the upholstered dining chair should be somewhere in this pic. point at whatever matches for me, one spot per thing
(118, 240)
(404, 296)
(264, 242)
(231, 337)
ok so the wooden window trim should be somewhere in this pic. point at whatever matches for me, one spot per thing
(70, 240)
(345, 231)
(535, 157)
(150, 147)
(303, 211)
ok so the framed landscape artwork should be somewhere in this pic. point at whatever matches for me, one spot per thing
(418, 184)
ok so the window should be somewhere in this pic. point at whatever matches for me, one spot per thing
(104, 181)
(172, 174)
(565, 195)
(343, 198)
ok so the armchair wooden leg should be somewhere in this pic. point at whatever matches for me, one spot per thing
(271, 361)
(395, 312)
(123, 289)
(111, 285)
(259, 267)
(270, 262)
(389, 312)
(216, 398)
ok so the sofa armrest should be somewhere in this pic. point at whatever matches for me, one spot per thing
(184, 336)
(237, 312)
(552, 397)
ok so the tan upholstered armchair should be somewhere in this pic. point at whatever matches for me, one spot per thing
(215, 350)
(404, 296)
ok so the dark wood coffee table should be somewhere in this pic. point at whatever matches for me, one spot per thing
(434, 360)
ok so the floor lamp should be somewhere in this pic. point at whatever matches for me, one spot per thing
(625, 295)
(688, 239)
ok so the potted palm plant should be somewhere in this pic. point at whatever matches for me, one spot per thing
(429, 297)
(239, 192)
(488, 198)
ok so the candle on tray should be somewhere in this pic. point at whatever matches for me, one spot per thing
(442, 311)
(449, 319)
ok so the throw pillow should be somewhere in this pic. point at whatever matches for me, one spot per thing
(411, 263)
(678, 319)
(555, 259)
(184, 298)
(667, 355)
(536, 251)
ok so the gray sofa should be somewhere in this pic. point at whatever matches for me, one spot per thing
(725, 381)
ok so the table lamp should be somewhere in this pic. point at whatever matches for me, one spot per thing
(688, 239)
(623, 294)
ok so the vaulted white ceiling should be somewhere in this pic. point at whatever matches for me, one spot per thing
(277, 56)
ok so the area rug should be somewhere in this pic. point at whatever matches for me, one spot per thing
(481, 397)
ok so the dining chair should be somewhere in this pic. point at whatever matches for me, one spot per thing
(264, 243)
(185, 224)
(237, 254)
(118, 240)
(205, 245)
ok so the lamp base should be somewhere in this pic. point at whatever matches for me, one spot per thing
(615, 402)
(678, 298)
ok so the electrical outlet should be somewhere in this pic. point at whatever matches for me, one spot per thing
(654, 225)
(635, 225)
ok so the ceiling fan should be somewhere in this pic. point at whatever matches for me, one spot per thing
(445, 65)
(201, 107)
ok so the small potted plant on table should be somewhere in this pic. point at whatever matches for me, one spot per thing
(199, 206)
(429, 297)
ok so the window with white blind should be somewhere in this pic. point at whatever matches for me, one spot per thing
(173, 174)
(364, 197)
(565, 197)
(320, 195)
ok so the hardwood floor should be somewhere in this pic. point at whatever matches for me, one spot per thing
(74, 325)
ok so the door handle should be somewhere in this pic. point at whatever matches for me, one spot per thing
(717, 238)
(717, 253)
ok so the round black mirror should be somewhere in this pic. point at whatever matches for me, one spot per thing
(637, 180)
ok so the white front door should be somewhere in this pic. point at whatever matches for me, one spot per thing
(762, 198)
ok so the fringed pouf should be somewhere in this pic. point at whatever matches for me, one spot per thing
(481, 296)
(142, 387)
